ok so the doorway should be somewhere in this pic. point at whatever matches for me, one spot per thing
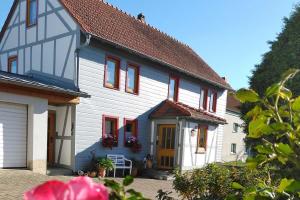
(166, 146)
(51, 138)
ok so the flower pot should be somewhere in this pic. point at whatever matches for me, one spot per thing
(134, 171)
(101, 172)
(92, 174)
(149, 164)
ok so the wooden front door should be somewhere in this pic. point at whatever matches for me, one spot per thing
(166, 146)
(51, 137)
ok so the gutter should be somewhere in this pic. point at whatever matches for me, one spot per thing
(160, 62)
(77, 51)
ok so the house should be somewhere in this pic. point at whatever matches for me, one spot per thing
(234, 147)
(75, 73)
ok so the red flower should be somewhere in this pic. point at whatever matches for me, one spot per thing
(80, 188)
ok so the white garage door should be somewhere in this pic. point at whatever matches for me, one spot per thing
(13, 135)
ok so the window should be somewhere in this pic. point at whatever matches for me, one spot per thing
(235, 127)
(173, 88)
(130, 130)
(110, 128)
(132, 79)
(112, 73)
(233, 148)
(213, 101)
(31, 19)
(13, 64)
(203, 98)
(202, 138)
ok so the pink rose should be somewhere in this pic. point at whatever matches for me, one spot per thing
(79, 188)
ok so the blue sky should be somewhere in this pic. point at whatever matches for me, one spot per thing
(230, 35)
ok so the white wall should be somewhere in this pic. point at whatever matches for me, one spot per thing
(48, 48)
(233, 137)
(37, 129)
(118, 103)
(191, 159)
(63, 143)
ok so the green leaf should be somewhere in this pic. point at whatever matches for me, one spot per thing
(284, 183)
(285, 93)
(264, 149)
(272, 90)
(237, 186)
(284, 149)
(296, 104)
(247, 95)
(258, 127)
(127, 180)
(112, 185)
(293, 187)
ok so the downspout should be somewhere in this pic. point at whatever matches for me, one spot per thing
(77, 51)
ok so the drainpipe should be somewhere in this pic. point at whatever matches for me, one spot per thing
(77, 51)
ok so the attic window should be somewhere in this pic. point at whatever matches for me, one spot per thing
(12, 64)
(31, 18)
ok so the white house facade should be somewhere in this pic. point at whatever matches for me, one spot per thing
(234, 147)
(78, 74)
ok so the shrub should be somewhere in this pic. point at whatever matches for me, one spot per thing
(214, 182)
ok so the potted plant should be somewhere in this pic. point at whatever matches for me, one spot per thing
(130, 141)
(136, 147)
(137, 167)
(149, 161)
(109, 142)
(104, 164)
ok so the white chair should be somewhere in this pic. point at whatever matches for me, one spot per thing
(119, 162)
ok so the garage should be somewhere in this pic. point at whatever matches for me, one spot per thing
(13, 135)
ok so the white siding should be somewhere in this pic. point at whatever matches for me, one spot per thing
(56, 27)
(193, 160)
(233, 137)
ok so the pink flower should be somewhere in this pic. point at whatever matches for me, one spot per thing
(80, 188)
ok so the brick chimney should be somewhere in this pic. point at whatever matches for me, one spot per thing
(141, 17)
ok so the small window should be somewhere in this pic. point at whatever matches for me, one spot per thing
(202, 138)
(233, 148)
(173, 88)
(203, 98)
(235, 127)
(213, 101)
(130, 131)
(110, 129)
(112, 73)
(13, 64)
(132, 79)
(31, 19)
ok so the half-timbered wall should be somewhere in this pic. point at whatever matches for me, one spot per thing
(48, 47)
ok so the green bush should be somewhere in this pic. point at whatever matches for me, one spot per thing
(214, 182)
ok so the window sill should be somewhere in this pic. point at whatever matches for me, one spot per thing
(200, 151)
(111, 87)
(131, 92)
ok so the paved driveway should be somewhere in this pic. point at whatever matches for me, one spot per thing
(13, 183)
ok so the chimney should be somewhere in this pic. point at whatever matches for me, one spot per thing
(141, 17)
(225, 79)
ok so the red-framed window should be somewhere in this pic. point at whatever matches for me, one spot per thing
(110, 128)
(12, 64)
(31, 12)
(112, 72)
(132, 78)
(173, 88)
(213, 101)
(202, 138)
(203, 98)
(130, 130)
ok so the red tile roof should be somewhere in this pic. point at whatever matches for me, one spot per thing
(172, 109)
(113, 25)
(233, 104)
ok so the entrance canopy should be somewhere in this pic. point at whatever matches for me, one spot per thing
(55, 91)
(169, 109)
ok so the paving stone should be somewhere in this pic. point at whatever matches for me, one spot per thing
(13, 183)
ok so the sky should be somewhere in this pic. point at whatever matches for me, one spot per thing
(230, 35)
